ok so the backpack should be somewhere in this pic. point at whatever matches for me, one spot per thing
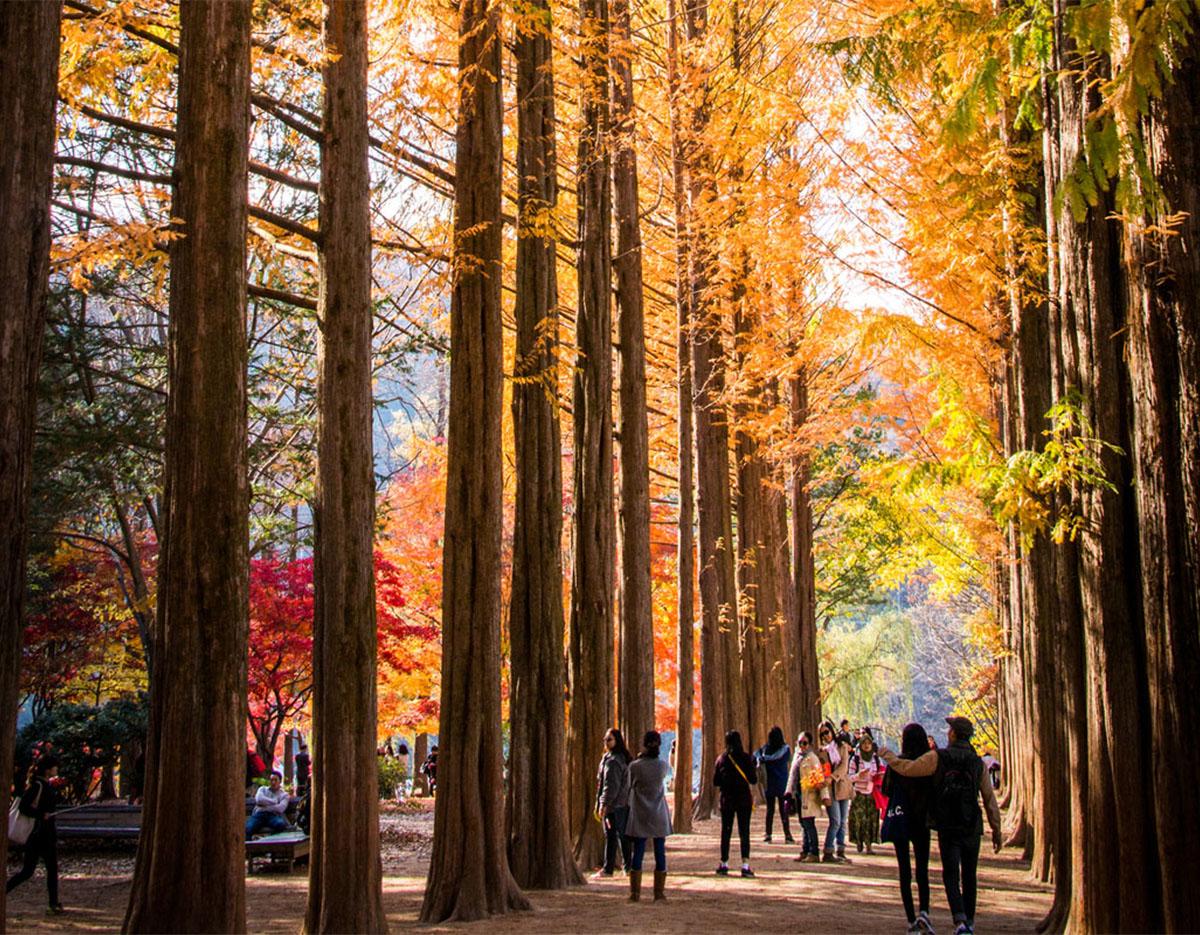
(955, 807)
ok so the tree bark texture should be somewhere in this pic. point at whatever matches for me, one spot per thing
(29, 43)
(539, 846)
(198, 685)
(591, 637)
(635, 669)
(805, 677)
(469, 876)
(1164, 355)
(345, 890)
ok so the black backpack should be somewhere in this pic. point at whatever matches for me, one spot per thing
(955, 806)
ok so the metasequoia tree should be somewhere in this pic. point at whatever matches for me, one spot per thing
(539, 847)
(345, 890)
(686, 536)
(591, 634)
(635, 665)
(469, 876)
(29, 43)
(198, 682)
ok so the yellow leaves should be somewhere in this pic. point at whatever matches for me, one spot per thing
(117, 246)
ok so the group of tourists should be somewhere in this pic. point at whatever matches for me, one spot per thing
(867, 792)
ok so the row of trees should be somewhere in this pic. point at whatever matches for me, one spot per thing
(1069, 128)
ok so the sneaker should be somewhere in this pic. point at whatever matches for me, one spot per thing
(924, 922)
(747, 872)
(788, 839)
(963, 929)
(602, 874)
(766, 839)
(722, 871)
(914, 927)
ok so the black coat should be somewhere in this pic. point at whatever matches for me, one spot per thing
(734, 781)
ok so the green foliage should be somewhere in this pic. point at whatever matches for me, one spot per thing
(392, 776)
(85, 739)
(865, 669)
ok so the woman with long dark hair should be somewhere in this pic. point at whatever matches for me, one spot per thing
(774, 757)
(38, 802)
(734, 775)
(865, 765)
(612, 800)
(808, 787)
(649, 816)
(905, 826)
(837, 749)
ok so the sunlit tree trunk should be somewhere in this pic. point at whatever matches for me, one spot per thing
(198, 686)
(469, 876)
(539, 846)
(345, 888)
(591, 638)
(806, 681)
(635, 669)
(29, 43)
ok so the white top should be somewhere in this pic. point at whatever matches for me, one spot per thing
(267, 801)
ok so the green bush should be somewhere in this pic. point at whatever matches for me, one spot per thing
(392, 776)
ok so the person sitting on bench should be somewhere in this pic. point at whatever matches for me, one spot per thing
(270, 803)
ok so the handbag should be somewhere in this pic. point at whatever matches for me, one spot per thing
(787, 805)
(895, 819)
(20, 825)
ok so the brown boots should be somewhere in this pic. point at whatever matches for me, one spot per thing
(635, 885)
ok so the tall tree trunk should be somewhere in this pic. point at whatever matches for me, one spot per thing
(539, 847)
(719, 651)
(345, 891)
(686, 537)
(635, 670)
(198, 686)
(420, 754)
(469, 877)
(591, 642)
(1164, 357)
(805, 676)
(29, 42)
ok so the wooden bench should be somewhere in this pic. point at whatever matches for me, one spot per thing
(101, 821)
(287, 849)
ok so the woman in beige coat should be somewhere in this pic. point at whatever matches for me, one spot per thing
(807, 787)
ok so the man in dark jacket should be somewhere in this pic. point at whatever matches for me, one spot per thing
(959, 781)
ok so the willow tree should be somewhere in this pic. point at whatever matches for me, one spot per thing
(591, 636)
(29, 43)
(539, 847)
(345, 890)
(198, 686)
(635, 665)
(469, 876)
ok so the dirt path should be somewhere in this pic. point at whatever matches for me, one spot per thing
(861, 896)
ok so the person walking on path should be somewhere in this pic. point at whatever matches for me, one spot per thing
(774, 757)
(39, 801)
(906, 825)
(649, 817)
(612, 801)
(734, 775)
(837, 748)
(959, 780)
(864, 814)
(807, 785)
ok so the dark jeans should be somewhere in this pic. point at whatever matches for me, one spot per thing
(772, 802)
(614, 835)
(920, 851)
(743, 822)
(960, 861)
(42, 845)
(269, 821)
(660, 854)
(809, 828)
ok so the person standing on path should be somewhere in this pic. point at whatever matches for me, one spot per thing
(774, 757)
(38, 801)
(612, 801)
(734, 775)
(807, 786)
(837, 748)
(959, 781)
(864, 814)
(907, 825)
(649, 816)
